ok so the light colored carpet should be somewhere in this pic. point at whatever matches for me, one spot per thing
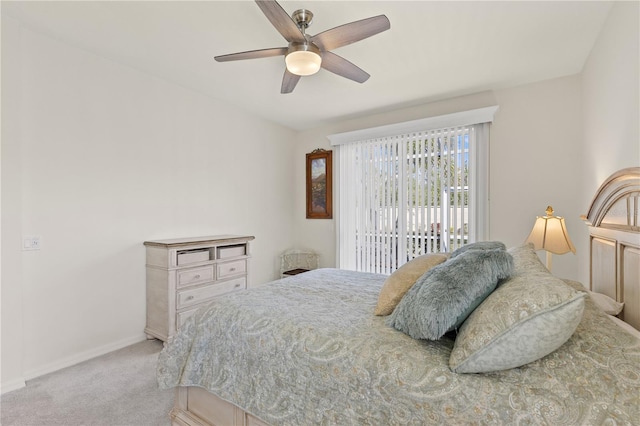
(116, 389)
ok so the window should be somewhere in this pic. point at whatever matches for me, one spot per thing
(409, 192)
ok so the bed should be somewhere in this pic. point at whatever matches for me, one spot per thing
(309, 350)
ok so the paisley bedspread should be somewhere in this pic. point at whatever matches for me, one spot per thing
(308, 350)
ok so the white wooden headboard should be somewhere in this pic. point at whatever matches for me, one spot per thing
(614, 229)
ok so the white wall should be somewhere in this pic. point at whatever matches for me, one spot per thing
(535, 142)
(535, 162)
(610, 107)
(97, 158)
(11, 199)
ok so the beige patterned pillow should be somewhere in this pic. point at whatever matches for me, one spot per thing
(398, 283)
(529, 316)
(602, 301)
(607, 304)
(526, 261)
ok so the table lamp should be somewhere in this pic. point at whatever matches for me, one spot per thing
(549, 233)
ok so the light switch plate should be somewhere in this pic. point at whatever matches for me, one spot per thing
(31, 242)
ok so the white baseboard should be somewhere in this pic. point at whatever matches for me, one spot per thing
(83, 356)
(12, 385)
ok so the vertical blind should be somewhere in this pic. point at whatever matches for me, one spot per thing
(401, 196)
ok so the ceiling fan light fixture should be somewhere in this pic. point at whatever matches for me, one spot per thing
(305, 54)
(303, 59)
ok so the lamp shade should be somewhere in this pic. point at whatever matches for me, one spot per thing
(303, 59)
(550, 233)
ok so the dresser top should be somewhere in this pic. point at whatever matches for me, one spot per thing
(213, 239)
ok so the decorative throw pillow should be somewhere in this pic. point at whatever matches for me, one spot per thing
(529, 316)
(525, 260)
(479, 245)
(607, 304)
(444, 296)
(398, 283)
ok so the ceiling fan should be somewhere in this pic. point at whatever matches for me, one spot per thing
(305, 54)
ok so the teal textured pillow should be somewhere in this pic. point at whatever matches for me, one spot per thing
(529, 316)
(444, 296)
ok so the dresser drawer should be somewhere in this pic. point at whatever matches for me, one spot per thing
(193, 296)
(195, 276)
(192, 256)
(232, 268)
(232, 251)
(183, 316)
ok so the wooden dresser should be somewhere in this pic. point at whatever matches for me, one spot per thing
(185, 273)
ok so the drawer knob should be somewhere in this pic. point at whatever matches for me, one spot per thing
(237, 285)
(232, 269)
(190, 298)
(197, 276)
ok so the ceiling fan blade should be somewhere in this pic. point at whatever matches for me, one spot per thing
(252, 54)
(350, 33)
(280, 19)
(289, 82)
(338, 65)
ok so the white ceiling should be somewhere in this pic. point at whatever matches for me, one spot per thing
(434, 50)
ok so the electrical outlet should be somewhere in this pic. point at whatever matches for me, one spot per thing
(31, 243)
